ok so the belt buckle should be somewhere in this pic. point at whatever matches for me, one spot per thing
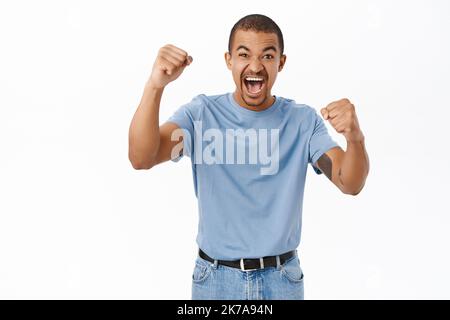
(261, 265)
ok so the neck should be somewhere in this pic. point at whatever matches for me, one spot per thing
(266, 103)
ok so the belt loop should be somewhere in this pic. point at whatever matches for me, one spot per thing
(278, 262)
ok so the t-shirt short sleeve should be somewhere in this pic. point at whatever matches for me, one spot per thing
(320, 141)
(184, 117)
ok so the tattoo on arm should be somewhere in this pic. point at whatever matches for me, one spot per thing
(340, 177)
(325, 165)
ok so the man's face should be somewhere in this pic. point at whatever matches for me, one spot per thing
(254, 56)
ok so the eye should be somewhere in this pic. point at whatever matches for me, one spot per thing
(243, 55)
(269, 55)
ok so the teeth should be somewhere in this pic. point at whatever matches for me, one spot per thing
(254, 79)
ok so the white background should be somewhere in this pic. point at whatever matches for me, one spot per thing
(76, 221)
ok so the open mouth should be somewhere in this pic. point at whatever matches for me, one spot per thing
(254, 85)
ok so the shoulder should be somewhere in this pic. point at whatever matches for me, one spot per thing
(300, 111)
(210, 104)
(206, 101)
(210, 101)
(195, 106)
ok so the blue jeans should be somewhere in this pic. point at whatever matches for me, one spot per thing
(219, 282)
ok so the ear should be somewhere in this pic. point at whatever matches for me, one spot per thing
(228, 60)
(282, 62)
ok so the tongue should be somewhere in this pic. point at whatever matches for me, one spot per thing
(254, 86)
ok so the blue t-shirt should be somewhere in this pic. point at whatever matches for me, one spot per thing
(249, 169)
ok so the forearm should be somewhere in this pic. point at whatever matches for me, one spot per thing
(354, 167)
(144, 138)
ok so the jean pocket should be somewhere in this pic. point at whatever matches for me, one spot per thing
(292, 271)
(201, 271)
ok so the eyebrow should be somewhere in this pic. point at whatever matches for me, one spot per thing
(265, 49)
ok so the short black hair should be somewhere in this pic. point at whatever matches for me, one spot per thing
(258, 23)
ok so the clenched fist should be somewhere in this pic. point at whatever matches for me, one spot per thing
(168, 66)
(342, 116)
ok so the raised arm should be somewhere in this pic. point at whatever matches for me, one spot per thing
(348, 169)
(149, 143)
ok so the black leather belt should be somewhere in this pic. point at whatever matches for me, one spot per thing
(250, 264)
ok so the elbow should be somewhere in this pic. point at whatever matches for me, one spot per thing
(356, 187)
(353, 192)
(140, 163)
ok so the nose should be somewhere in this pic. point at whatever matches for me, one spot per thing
(255, 65)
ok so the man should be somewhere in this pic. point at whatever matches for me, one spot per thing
(249, 151)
